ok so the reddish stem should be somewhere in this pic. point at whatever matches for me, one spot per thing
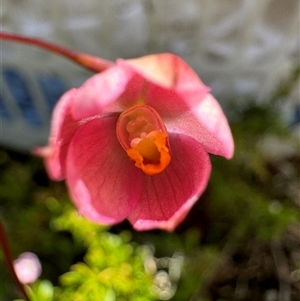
(9, 261)
(93, 63)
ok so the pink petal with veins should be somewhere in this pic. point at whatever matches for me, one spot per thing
(167, 197)
(103, 182)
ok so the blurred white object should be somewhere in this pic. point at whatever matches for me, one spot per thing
(27, 267)
(241, 48)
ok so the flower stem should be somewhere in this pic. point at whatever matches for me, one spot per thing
(9, 261)
(93, 63)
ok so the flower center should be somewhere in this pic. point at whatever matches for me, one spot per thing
(142, 134)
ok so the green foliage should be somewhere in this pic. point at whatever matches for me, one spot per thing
(40, 291)
(244, 199)
(113, 268)
(199, 267)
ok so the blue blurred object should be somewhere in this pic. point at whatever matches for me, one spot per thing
(296, 116)
(52, 87)
(3, 110)
(19, 90)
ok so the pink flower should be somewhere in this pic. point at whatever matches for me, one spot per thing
(27, 267)
(133, 142)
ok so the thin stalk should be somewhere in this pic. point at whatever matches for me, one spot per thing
(93, 63)
(9, 261)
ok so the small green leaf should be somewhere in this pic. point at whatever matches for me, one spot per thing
(45, 290)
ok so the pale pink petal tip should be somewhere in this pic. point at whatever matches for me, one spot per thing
(165, 69)
(43, 152)
(213, 119)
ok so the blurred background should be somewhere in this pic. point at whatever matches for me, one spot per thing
(242, 239)
(242, 49)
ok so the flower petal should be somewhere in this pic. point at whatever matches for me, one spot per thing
(100, 91)
(206, 123)
(102, 180)
(166, 75)
(175, 91)
(63, 127)
(166, 70)
(81, 195)
(167, 197)
(211, 116)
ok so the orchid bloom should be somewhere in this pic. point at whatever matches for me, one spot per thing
(133, 142)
